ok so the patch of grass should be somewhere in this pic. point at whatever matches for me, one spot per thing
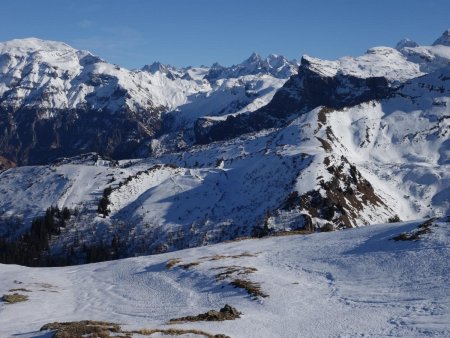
(416, 234)
(190, 265)
(226, 313)
(45, 285)
(219, 257)
(178, 332)
(86, 328)
(172, 262)
(98, 329)
(14, 298)
(19, 289)
(234, 269)
(252, 288)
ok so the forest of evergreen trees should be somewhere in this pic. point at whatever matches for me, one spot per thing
(32, 247)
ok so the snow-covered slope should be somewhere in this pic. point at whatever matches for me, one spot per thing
(341, 144)
(52, 75)
(377, 62)
(357, 282)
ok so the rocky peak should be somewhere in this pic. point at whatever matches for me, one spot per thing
(155, 67)
(444, 39)
(275, 65)
(406, 43)
(253, 58)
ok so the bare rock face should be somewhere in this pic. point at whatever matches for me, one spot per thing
(28, 139)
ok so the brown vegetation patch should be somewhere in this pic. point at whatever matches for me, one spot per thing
(178, 332)
(252, 288)
(189, 265)
(97, 329)
(85, 328)
(6, 163)
(14, 298)
(45, 285)
(19, 289)
(172, 262)
(226, 313)
(416, 234)
(233, 270)
(218, 257)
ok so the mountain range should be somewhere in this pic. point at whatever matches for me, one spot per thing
(101, 162)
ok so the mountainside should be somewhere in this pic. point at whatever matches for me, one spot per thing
(358, 282)
(238, 152)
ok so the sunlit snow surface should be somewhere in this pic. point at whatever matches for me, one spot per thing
(351, 283)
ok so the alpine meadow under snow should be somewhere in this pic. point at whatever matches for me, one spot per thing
(100, 163)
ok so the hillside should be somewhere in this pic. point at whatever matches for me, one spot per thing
(350, 283)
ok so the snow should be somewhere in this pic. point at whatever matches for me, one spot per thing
(378, 61)
(351, 283)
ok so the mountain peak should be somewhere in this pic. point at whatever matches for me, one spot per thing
(406, 43)
(254, 58)
(444, 39)
(32, 44)
(155, 67)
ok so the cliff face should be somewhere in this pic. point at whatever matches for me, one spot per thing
(30, 139)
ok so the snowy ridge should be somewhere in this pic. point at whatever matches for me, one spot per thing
(70, 79)
(377, 62)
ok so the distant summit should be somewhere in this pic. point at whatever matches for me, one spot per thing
(275, 65)
(444, 39)
(406, 43)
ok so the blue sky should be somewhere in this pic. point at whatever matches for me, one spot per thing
(192, 32)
